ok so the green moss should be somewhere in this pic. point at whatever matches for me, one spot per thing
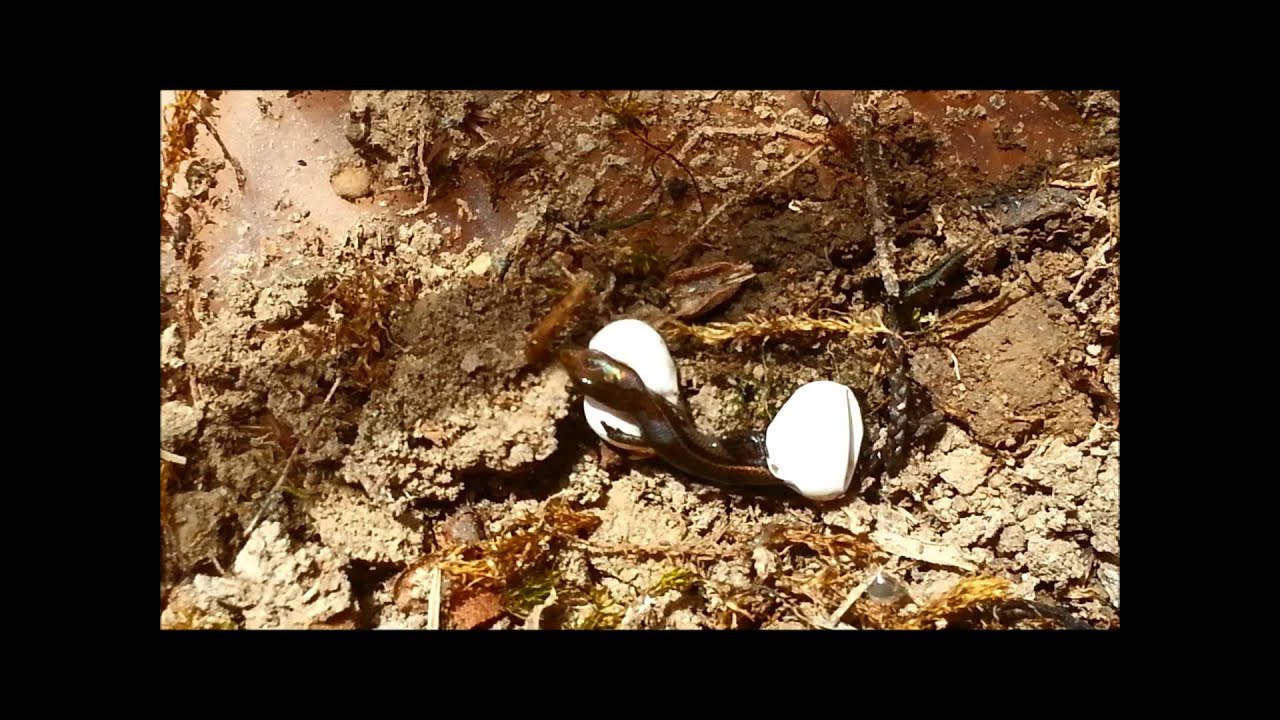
(298, 493)
(529, 593)
(679, 579)
(605, 613)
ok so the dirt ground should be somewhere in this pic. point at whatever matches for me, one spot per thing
(357, 432)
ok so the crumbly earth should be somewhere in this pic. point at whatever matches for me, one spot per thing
(346, 367)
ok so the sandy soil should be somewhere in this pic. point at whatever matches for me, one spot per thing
(356, 433)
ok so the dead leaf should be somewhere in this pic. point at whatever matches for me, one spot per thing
(473, 608)
(698, 290)
(924, 551)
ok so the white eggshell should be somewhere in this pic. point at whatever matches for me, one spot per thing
(637, 344)
(814, 441)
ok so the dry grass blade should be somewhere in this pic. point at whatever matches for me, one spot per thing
(963, 321)
(924, 551)
(496, 562)
(180, 119)
(857, 592)
(758, 328)
(858, 548)
(957, 602)
(987, 603)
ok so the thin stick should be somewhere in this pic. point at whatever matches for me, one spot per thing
(172, 457)
(955, 363)
(433, 600)
(423, 175)
(702, 204)
(879, 230)
(854, 594)
(269, 500)
(1095, 178)
(235, 164)
(1096, 262)
(811, 138)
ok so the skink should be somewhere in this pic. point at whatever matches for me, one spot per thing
(733, 461)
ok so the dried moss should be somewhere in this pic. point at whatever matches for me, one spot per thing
(361, 305)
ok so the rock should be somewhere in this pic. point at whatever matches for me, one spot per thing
(179, 424)
(964, 469)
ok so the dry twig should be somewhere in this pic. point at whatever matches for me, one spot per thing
(269, 500)
(725, 205)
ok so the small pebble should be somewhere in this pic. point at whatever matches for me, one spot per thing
(543, 97)
(357, 131)
(1110, 577)
(352, 182)
(463, 528)
(481, 264)
(885, 590)
(819, 120)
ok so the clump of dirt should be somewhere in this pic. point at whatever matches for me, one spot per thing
(273, 585)
(360, 425)
(449, 408)
(349, 522)
(1007, 377)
